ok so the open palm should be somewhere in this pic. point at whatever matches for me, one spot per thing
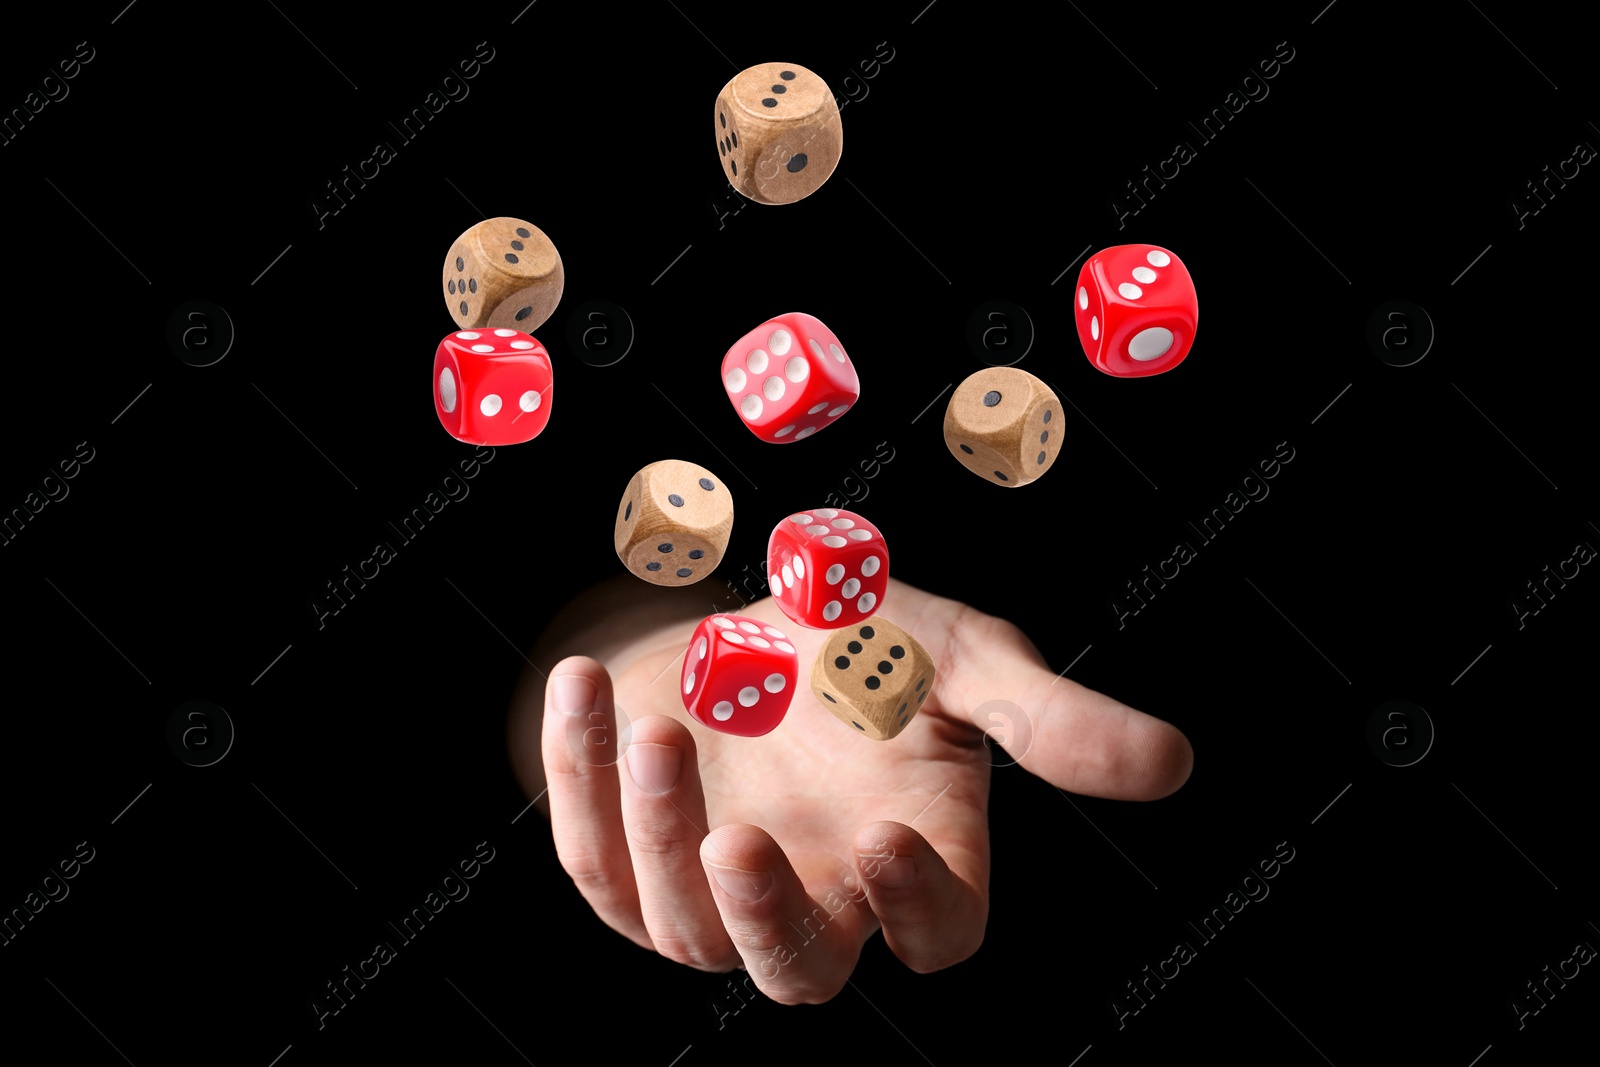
(784, 853)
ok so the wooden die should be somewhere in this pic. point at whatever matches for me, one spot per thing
(673, 523)
(1004, 425)
(503, 273)
(778, 132)
(873, 676)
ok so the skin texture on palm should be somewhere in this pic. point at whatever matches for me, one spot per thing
(830, 836)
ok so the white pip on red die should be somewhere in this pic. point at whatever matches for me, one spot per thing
(1136, 310)
(492, 386)
(827, 568)
(789, 377)
(739, 675)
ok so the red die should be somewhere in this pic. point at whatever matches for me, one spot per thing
(1136, 310)
(828, 568)
(492, 386)
(739, 675)
(789, 377)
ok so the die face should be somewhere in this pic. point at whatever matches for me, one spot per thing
(492, 387)
(1004, 425)
(789, 378)
(673, 523)
(1136, 310)
(778, 132)
(873, 676)
(503, 272)
(739, 675)
(827, 568)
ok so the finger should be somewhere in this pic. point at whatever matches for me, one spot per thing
(799, 950)
(579, 743)
(933, 912)
(1073, 737)
(664, 813)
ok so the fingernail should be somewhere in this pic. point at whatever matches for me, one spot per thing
(747, 887)
(655, 767)
(572, 694)
(890, 873)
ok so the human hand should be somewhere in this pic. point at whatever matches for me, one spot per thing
(783, 854)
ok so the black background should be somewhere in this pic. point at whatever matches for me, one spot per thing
(979, 161)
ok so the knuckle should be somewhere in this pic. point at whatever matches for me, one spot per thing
(979, 629)
(590, 872)
(654, 842)
(695, 953)
(584, 867)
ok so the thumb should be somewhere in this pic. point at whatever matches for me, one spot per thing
(1072, 737)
